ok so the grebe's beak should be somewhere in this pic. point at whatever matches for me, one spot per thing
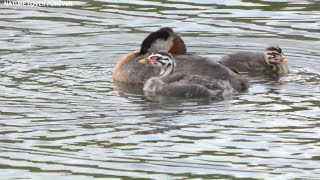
(283, 59)
(145, 61)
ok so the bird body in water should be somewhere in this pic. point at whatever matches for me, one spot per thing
(173, 82)
(128, 70)
(270, 62)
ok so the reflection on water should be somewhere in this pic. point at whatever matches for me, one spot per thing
(61, 116)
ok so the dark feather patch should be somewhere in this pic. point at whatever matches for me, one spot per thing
(163, 53)
(162, 63)
(274, 48)
(162, 33)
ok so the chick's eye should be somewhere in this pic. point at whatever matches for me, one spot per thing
(276, 54)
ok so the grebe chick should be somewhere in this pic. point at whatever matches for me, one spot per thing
(171, 83)
(270, 62)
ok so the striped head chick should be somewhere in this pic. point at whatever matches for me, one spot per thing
(162, 60)
(274, 55)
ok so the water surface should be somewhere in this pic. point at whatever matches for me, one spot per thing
(61, 116)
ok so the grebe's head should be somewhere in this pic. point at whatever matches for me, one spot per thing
(164, 39)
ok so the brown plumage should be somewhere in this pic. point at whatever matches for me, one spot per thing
(128, 70)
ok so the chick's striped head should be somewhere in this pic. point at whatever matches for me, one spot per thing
(274, 54)
(162, 60)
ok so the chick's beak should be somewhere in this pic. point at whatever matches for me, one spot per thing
(145, 61)
(283, 59)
